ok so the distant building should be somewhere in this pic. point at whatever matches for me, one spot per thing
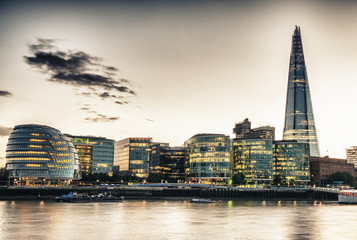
(351, 154)
(169, 161)
(95, 153)
(243, 130)
(299, 118)
(264, 132)
(38, 155)
(208, 158)
(133, 155)
(254, 159)
(323, 167)
(291, 162)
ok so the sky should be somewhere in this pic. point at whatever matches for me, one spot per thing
(172, 69)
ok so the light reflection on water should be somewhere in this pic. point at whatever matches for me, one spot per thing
(138, 219)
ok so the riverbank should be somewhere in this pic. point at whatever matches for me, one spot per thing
(148, 192)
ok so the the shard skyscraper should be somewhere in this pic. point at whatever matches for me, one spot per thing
(299, 118)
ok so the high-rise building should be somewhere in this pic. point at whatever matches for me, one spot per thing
(208, 158)
(133, 155)
(351, 154)
(95, 153)
(264, 132)
(243, 129)
(299, 118)
(38, 154)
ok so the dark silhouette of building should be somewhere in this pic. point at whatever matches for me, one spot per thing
(299, 117)
(243, 130)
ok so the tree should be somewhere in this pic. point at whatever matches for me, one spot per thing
(4, 175)
(239, 179)
(278, 180)
(156, 177)
(344, 177)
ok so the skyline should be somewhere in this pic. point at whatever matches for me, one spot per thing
(176, 68)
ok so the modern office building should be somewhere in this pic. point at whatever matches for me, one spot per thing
(291, 162)
(323, 167)
(208, 158)
(133, 154)
(243, 130)
(95, 153)
(351, 155)
(254, 159)
(168, 161)
(299, 118)
(38, 154)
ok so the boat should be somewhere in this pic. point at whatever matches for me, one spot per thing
(84, 197)
(201, 200)
(347, 196)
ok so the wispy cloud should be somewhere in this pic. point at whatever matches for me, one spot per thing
(5, 93)
(79, 69)
(97, 117)
(102, 118)
(5, 131)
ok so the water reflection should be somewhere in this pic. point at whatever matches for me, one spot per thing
(177, 220)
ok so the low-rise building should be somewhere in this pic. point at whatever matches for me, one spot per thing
(323, 167)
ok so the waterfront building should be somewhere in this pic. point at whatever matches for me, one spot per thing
(133, 155)
(168, 161)
(291, 162)
(254, 159)
(299, 118)
(351, 154)
(95, 153)
(208, 158)
(323, 167)
(39, 154)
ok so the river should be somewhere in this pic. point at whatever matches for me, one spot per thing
(154, 219)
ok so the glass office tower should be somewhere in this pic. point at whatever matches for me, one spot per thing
(292, 162)
(95, 153)
(254, 159)
(133, 154)
(208, 158)
(38, 154)
(299, 117)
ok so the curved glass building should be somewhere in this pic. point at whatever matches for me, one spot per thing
(208, 158)
(38, 154)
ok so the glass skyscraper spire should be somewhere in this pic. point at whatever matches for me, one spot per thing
(299, 118)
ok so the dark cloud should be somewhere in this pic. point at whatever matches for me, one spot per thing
(122, 102)
(78, 69)
(102, 118)
(5, 131)
(5, 93)
(149, 120)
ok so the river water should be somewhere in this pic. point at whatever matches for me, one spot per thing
(146, 219)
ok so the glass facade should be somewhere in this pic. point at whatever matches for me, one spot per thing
(170, 161)
(292, 162)
(95, 153)
(208, 158)
(254, 159)
(133, 154)
(299, 119)
(38, 153)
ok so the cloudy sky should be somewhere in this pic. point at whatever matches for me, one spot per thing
(172, 69)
